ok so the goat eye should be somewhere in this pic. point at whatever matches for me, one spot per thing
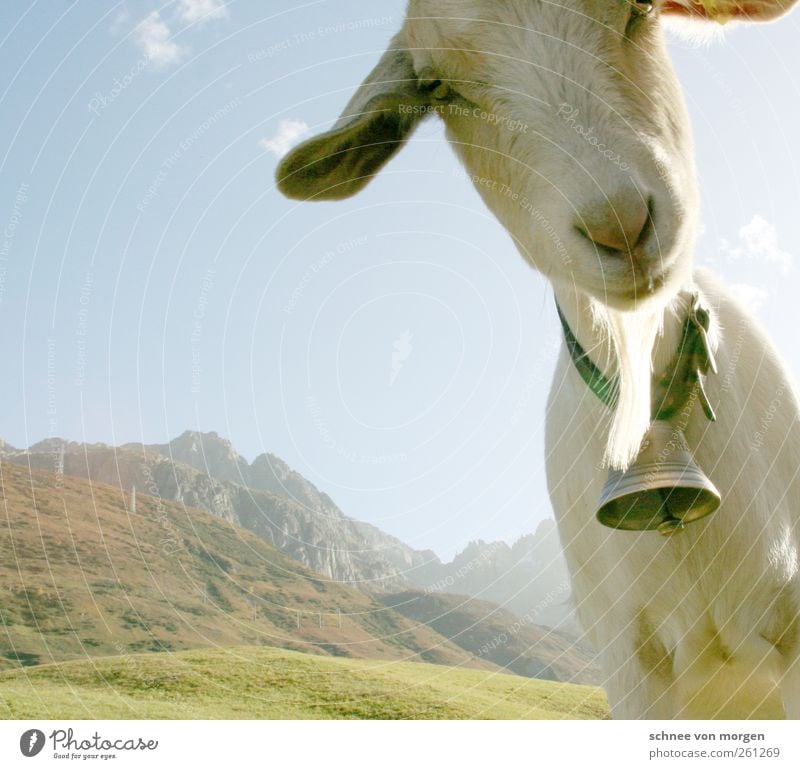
(440, 90)
(432, 85)
(640, 9)
(437, 89)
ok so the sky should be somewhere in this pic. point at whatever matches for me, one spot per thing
(393, 348)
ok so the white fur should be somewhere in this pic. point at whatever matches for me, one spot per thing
(704, 624)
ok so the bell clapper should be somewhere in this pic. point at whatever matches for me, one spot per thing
(670, 526)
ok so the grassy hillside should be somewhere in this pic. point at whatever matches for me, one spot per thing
(81, 576)
(494, 634)
(272, 683)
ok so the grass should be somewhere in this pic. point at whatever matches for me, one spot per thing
(270, 683)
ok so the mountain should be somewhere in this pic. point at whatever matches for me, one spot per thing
(530, 575)
(313, 531)
(269, 498)
(87, 572)
(347, 550)
(529, 578)
(491, 633)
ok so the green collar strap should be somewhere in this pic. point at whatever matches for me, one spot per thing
(674, 387)
(605, 389)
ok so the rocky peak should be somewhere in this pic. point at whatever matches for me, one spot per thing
(208, 453)
(271, 473)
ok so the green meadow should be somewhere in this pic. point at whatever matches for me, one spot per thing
(271, 683)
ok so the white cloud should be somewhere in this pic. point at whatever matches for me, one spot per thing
(752, 297)
(758, 241)
(154, 38)
(288, 134)
(201, 10)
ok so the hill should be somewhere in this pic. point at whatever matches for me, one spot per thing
(264, 683)
(496, 635)
(81, 575)
(274, 501)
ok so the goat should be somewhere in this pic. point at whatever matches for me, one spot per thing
(703, 624)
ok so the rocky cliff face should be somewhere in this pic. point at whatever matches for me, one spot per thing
(301, 520)
(282, 507)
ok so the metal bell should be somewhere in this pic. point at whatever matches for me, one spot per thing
(663, 489)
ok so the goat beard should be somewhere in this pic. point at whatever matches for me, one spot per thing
(633, 337)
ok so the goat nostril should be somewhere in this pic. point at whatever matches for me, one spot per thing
(619, 226)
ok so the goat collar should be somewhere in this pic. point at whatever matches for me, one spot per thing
(671, 390)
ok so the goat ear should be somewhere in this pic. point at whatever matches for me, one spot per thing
(374, 125)
(727, 10)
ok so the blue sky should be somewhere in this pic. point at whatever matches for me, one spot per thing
(393, 348)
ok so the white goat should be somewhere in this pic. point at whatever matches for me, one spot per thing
(703, 624)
